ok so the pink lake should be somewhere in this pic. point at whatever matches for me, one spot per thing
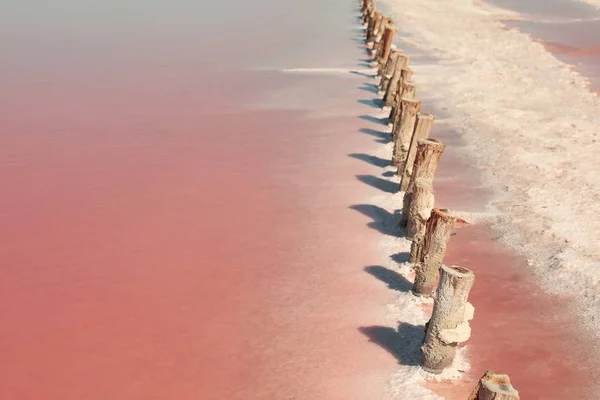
(175, 209)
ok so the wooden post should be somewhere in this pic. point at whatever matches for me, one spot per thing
(405, 76)
(449, 324)
(498, 387)
(494, 386)
(427, 158)
(475, 393)
(403, 129)
(371, 19)
(422, 129)
(437, 233)
(408, 90)
(372, 27)
(386, 46)
(378, 33)
(429, 152)
(394, 84)
(388, 71)
(366, 13)
(420, 207)
(392, 88)
(370, 23)
(407, 122)
(378, 45)
(378, 20)
(394, 101)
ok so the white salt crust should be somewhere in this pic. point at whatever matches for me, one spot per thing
(531, 127)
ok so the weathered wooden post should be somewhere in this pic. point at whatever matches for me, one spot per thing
(394, 84)
(388, 98)
(379, 27)
(408, 119)
(449, 323)
(405, 76)
(367, 13)
(403, 129)
(422, 129)
(371, 15)
(385, 21)
(372, 27)
(388, 70)
(408, 90)
(437, 233)
(370, 23)
(386, 46)
(420, 207)
(494, 386)
(429, 152)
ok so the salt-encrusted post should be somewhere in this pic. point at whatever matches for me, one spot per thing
(494, 386)
(422, 129)
(449, 323)
(428, 156)
(437, 233)
(403, 129)
(388, 70)
(420, 207)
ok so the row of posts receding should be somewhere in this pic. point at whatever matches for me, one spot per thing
(416, 157)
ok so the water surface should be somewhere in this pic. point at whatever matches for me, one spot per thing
(169, 203)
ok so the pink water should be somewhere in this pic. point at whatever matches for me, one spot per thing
(176, 217)
(568, 29)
